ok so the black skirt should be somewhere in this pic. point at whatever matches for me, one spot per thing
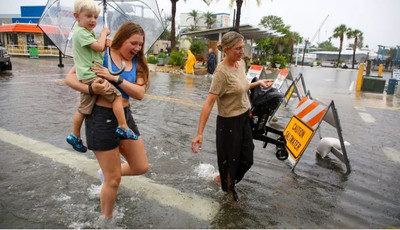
(234, 149)
(101, 125)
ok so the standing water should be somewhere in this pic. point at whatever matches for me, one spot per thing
(45, 184)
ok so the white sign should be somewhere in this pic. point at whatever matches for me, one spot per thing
(396, 74)
(255, 71)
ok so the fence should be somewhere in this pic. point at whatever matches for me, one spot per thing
(24, 50)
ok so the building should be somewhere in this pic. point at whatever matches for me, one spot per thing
(20, 32)
(249, 32)
(187, 21)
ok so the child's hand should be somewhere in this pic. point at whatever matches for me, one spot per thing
(108, 42)
(105, 31)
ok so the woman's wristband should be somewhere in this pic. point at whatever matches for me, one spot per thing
(91, 93)
(120, 80)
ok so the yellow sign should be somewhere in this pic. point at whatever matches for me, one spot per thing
(297, 135)
(290, 93)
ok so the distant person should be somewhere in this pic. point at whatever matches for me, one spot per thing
(190, 62)
(211, 61)
(234, 139)
(107, 145)
(87, 50)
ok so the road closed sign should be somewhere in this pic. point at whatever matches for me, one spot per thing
(297, 135)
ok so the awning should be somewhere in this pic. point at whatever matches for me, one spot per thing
(248, 31)
(25, 28)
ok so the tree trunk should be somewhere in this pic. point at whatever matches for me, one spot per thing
(340, 51)
(239, 4)
(173, 13)
(304, 52)
(291, 53)
(354, 52)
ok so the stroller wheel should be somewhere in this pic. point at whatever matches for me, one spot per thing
(282, 154)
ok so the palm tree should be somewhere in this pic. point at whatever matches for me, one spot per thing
(210, 19)
(339, 33)
(173, 14)
(195, 15)
(292, 38)
(239, 4)
(357, 35)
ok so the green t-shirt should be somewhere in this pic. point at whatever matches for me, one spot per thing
(83, 54)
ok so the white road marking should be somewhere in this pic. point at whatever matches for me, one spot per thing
(199, 207)
(367, 117)
(392, 154)
(351, 86)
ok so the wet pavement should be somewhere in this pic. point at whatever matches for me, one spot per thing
(45, 184)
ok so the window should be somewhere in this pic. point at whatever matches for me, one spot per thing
(12, 39)
(30, 39)
(47, 42)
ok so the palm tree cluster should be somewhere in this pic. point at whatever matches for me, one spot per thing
(340, 32)
(283, 45)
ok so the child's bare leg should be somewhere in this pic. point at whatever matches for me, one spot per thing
(77, 124)
(74, 139)
(119, 113)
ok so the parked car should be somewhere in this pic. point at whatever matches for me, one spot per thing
(5, 60)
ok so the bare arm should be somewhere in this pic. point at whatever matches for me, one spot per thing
(100, 44)
(205, 113)
(266, 83)
(99, 86)
(134, 90)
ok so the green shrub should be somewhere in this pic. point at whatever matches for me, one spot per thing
(197, 46)
(152, 59)
(176, 59)
(278, 59)
(162, 55)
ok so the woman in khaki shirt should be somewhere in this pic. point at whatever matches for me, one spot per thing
(229, 88)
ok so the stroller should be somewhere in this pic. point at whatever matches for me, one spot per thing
(264, 102)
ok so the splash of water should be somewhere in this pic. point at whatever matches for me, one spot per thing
(205, 171)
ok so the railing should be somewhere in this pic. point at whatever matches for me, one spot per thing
(24, 50)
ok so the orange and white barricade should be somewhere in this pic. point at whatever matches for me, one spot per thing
(283, 76)
(299, 87)
(255, 72)
(305, 121)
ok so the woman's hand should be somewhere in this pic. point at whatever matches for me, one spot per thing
(103, 72)
(101, 87)
(266, 83)
(197, 140)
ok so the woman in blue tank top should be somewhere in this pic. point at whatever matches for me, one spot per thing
(100, 126)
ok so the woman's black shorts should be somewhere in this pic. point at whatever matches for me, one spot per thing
(101, 126)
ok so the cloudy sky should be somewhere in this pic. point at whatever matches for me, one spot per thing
(379, 20)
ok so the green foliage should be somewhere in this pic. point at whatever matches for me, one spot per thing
(152, 59)
(282, 45)
(197, 46)
(166, 35)
(210, 19)
(176, 59)
(278, 59)
(272, 22)
(327, 46)
(162, 55)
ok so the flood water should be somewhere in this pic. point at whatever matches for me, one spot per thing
(45, 184)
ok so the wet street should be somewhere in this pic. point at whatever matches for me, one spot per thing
(45, 184)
